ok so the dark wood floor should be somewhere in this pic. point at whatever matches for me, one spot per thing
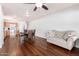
(35, 47)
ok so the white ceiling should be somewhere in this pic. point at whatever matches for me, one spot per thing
(19, 10)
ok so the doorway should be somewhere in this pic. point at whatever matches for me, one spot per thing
(12, 29)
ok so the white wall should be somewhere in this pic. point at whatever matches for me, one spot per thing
(1, 28)
(67, 19)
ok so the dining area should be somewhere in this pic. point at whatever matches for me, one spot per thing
(27, 35)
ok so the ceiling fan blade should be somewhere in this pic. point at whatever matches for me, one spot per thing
(29, 3)
(35, 8)
(43, 6)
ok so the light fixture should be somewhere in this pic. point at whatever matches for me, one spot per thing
(38, 4)
(27, 13)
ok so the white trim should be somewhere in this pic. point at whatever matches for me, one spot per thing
(1, 44)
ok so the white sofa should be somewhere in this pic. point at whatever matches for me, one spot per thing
(64, 39)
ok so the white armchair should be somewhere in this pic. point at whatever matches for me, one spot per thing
(64, 39)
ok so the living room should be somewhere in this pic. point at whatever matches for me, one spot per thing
(56, 29)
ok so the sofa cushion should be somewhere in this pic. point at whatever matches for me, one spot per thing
(58, 34)
(61, 34)
(51, 33)
(65, 36)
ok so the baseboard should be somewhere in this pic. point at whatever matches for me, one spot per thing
(1, 45)
(40, 37)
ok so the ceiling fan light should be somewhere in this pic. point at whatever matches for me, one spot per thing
(38, 4)
(27, 13)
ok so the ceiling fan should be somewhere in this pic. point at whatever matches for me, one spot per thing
(38, 5)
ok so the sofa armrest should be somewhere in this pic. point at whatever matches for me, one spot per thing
(70, 42)
(73, 38)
